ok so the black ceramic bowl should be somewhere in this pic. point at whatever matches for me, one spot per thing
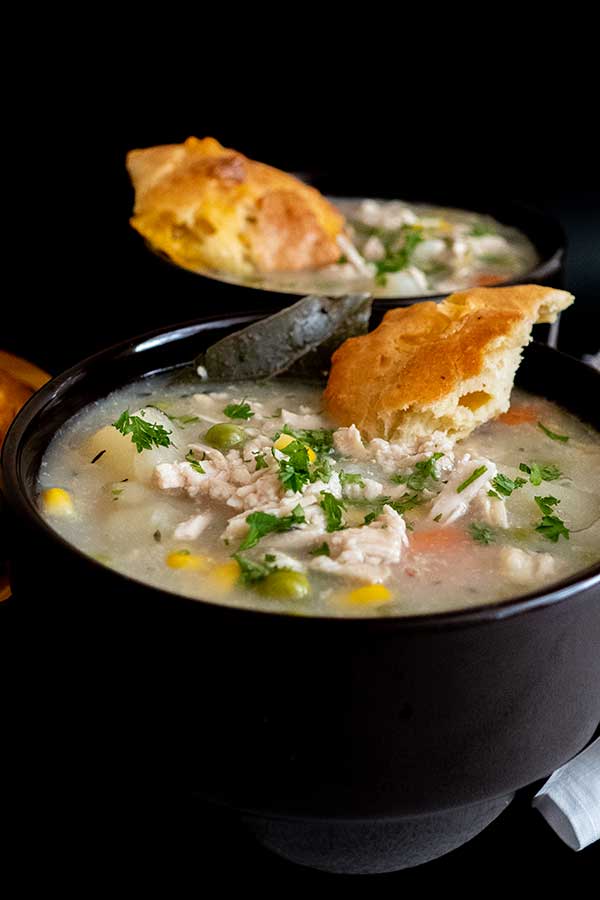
(544, 231)
(351, 745)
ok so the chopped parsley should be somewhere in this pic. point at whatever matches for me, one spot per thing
(399, 259)
(238, 410)
(294, 472)
(261, 462)
(417, 479)
(261, 523)
(321, 550)
(144, 434)
(538, 473)
(505, 485)
(481, 533)
(472, 477)
(333, 508)
(351, 478)
(494, 259)
(551, 527)
(319, 439)
(251, 571)
(194, 463)
(478, 229)
(400, 506)
(563, 438)
(116, 493)
(343, 259)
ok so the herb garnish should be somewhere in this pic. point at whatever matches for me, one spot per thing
(472, 477)
(481, 533)
(505, 485)
(538, 473)
(238, 410)
(251, 572)
(261, 523)
(261, 462)
(399, 259)
(333, 508)
(400, 506)
(563, 438)
(321, 550)
(551, 527)
(351, 478)
(423, 470)
(294, 472)
(144, 434)
(478, 229)
(319, 439)
(194, 463)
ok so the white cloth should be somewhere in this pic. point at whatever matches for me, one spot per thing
(570, 799)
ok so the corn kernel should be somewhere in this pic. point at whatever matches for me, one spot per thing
(284, 440)
(224, 577)
(183, 559)
(58, 502)
(369, 595)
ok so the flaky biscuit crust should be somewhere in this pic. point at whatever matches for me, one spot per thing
(210, 207)
(422, 355)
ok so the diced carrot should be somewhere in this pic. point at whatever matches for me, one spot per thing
(438, 539)
(487, 279)
(519, 415)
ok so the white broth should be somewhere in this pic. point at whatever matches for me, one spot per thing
(277, 522)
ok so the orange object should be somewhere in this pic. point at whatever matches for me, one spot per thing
(519, 415)
(437, 540)
(488, 280)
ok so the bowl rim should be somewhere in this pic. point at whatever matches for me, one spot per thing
(18, 497)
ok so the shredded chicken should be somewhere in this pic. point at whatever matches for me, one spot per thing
(491, 511)
(525, 567)
(452, 502)
(373, 546)
(192, 528)
(392, 456)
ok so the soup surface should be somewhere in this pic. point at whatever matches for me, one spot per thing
(244, 494)
(397, 249)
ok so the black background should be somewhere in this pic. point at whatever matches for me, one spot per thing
(84, 279)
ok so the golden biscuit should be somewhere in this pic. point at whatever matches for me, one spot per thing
(444, 367)
(208, 207)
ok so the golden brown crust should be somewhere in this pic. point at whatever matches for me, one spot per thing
(423, 359)
(210, 207)
(13, 395)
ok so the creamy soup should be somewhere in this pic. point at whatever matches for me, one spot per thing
(246, 495)
(396, 249)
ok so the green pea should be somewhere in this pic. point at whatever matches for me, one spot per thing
(225, 436)
(285, 583)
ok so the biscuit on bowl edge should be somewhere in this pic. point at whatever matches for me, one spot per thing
(445, 367)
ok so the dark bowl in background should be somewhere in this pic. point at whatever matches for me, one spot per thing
(544, 231)
(353, 745)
